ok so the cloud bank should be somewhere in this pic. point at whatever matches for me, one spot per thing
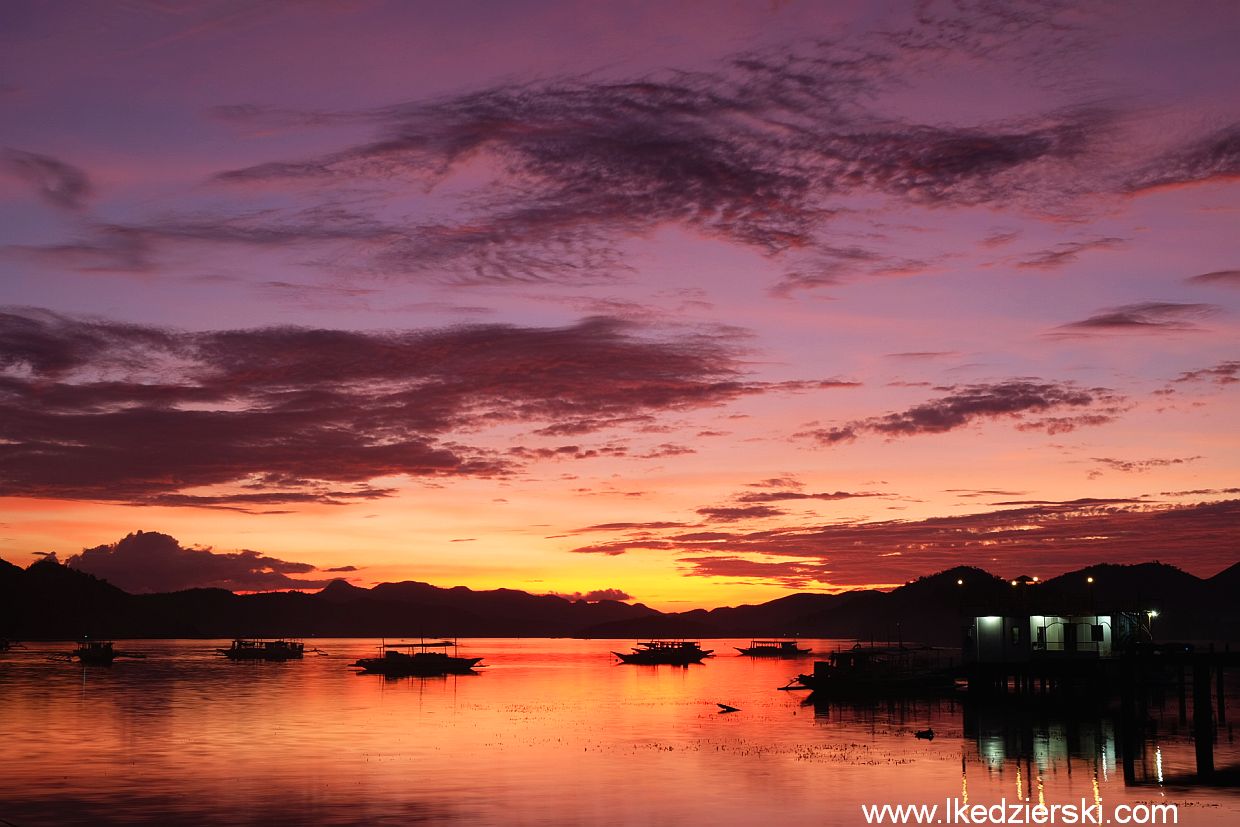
(1056, 535)
(93, 409)
(147, 561)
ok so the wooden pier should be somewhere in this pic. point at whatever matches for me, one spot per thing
(1133, 679)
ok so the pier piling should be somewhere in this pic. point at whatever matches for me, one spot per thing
(1203, 724)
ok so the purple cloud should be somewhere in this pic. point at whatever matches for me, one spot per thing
(1224, 373)
(147, 561)
(1214, 157)
(732, 514)
(970, 404)
(1142, 317)
(1228, 278)
(1066, 253)
(103, 410)
(56, 182)
(1056, 535)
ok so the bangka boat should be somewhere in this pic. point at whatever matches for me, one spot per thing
(672, 652)
(95, 652)
(398, 660)
(251, 649)
(773, 649)
(883, 670)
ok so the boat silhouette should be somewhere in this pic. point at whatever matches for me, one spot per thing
(424, 659)
(670, 652)
(95, 652)
(773, 649)
(251, 649)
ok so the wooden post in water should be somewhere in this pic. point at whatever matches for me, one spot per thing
(1183, 695)
(1203, 725)
(1222, 696)
(1128, 725)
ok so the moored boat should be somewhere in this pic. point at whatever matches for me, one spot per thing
(883, 670)
(251, 649)
(95, 652)
(671, 652)
(773, 649)
(398, 660)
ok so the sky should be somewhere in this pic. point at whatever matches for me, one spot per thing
(690, 303)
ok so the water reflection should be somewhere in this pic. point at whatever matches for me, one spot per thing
(997, 734)
(550, 732)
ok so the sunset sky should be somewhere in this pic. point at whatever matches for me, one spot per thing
(693, 302)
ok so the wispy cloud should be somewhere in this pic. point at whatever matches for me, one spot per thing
(1142, 317)
(920, 355)
(1130, 466)
(1067, 252)
(58, 183)
(632, 526)
(735, 513)
(970, 404)
(1215, 157)
(1224, 373)
(791, 574)
(1054, 535)
(785, 496)
(1227, 278)
(761, 151)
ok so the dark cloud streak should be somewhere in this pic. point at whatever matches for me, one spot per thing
(101, 410)
(969, 404)
(1142, 317)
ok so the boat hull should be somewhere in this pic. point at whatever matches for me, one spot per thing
(251, 655)
(278, 650)
(930, 684)
(417, 666)
(661, 658)
(765, 652)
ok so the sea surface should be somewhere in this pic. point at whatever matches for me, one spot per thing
(549, 732)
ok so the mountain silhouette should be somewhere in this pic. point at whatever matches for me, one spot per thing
(48, 600)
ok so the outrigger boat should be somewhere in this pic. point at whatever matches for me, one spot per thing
(773, 649)
(95, 653)
(250, 649)
(399, 660)
(882, 670)
(671, 652)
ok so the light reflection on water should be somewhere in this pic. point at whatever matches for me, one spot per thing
(549, 732)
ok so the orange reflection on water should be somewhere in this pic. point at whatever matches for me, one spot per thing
(549, 732)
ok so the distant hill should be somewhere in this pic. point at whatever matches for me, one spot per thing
(929, 609)
(50, 601)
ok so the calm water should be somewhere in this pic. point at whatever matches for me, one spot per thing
(550, 732)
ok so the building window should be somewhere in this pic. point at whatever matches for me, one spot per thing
(1016, 636)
